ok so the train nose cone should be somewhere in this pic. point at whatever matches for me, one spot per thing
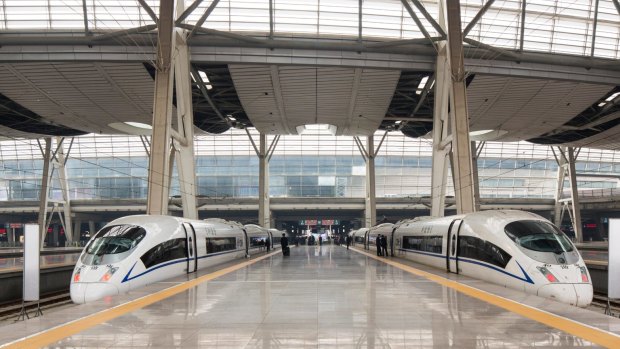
(585, 293)
(564, 293)
(91, 291)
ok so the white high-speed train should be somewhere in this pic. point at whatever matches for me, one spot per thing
(515, 249)
(134, 251)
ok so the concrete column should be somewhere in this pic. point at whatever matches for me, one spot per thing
(371, 200)
(158, 192)
(476, 180)
(263, 184)
(64, 185)
(92, 228)
(186, 166)
(562, 164)
(77, 230)
(44, 193)
(461, 147)
(572, 158)
(441, 149)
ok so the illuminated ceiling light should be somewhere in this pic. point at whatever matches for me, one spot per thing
(421, 85)
(205, 79)
(398, 122)
(132, 128)
(192, 76)
(601, 104)
(231, 118)
(612, 97)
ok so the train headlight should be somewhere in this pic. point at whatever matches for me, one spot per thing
(108, 275)
(584, 274)
(76, 276)
(550, 277)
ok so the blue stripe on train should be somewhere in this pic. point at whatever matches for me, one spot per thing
(181, 260)
(526, 277)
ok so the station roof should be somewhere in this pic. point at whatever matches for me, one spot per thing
(544, 71)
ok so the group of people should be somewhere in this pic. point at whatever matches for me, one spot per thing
(382, 246)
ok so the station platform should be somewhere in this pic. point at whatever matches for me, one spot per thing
(319, 297)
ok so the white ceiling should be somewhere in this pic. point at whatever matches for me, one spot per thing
(277, 99)
(83, 96)
(523, 108)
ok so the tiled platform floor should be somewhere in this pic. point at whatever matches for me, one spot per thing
(319, 297)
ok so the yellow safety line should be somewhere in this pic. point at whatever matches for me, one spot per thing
(57, 333)
(589, 333)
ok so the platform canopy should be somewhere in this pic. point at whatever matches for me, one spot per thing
(539, 70)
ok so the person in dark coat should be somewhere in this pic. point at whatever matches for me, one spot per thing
(379, 248)
(348, 240)
(267, 244)
(384, 245)
(284, 243)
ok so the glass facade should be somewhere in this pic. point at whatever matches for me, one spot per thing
(315, 164)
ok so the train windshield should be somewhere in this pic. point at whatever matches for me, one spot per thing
(538, 236)
(112, 244)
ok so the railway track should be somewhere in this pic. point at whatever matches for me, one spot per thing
(11, 310)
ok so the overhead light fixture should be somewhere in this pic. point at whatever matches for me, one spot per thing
(421, 85)
(205, 79)
(612, 97)
(132, 128)
(601, 104)
(398, 122)
(231, 118)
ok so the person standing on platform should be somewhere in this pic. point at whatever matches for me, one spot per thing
(320, 240)
(284, 243)
(348, 239)
(384, 245)
(378, 242)
(267, 244)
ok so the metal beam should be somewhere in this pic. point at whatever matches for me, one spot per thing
(85, 12)
(205, 94)
(594, 28)
(429, 18)
(417, 20)
(617, 3)
(43, 194)
(493, 49)
(203, 18)
(187, 12)
(271, 19)
(223, 34)
(576, 209)
(149, 10)
(393, 43)
(359, 21)
(521, 38)
(477, 17)
(118, 33)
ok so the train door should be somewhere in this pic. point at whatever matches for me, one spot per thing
(452, 247)
(192, 251)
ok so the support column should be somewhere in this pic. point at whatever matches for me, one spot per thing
(263, 184)
(54, 161)
(59, 164)
(92, 228)
(184, 145)
(43, 194)
(77, 230)
(441, 146)
(371, 200)
(572, 158)
(562, 164)
(476, 150)
(158, 191)
(461, 147)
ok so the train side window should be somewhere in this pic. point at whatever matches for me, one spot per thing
(164, 252)
(215, 245)
(423, 243)
(475, 248)
(258, 241)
